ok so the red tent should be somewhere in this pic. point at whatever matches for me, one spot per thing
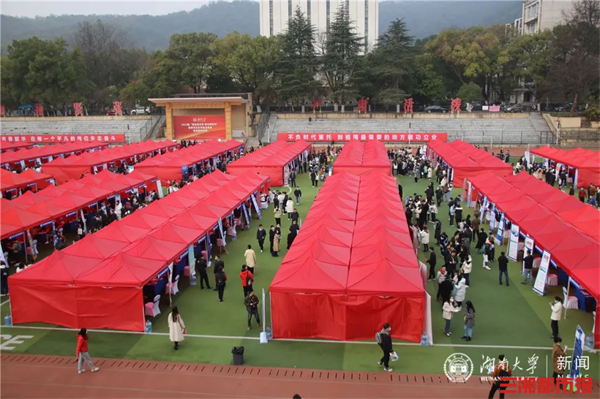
(75, 166)
(465, 160)
(574, 249)
(586, 162)
(270, 160)
(351, 266)
(29, 157)
(13, 145)
(171, 166)
(106, 290)
(359, 158)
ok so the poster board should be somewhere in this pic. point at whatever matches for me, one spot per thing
(540, 280)
(513, 245)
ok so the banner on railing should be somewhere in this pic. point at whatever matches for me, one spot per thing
(69, 138)
(403, 137)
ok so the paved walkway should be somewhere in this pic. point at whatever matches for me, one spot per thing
(31, 376)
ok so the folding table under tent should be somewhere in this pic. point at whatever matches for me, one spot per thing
(359, 158)
(73, 167)
(172, 166)
(29, 157)
(272, 160)
(98, 282)
(352, 267)
(583, 165)
(573, 249)
(464, 160)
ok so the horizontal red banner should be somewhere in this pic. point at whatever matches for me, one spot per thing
(66, 138)
(386, 137)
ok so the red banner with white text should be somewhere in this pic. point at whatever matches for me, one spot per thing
(62, 138)
(385, 137)
(199, 127)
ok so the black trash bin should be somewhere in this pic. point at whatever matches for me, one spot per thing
(238, 355)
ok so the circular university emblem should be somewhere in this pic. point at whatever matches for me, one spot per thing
(458, 367)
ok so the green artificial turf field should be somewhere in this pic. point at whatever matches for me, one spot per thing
(511, 320)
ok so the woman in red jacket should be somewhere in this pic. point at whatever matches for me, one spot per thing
(81, 352)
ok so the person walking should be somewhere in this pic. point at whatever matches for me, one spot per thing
(557, 308)
(384, 340)
(219, 264)
(469, 321)
(448, 311)
(313, 178)
(250, 256)
(261, 234)
(440, 277)
(277, 215)
(81, 352)
(289, 208)
(481, 239)
(298, 195)
(503, 267)
(247, 279)
(451, 212)
(431, 262)
(201, 267)
(487, 254)
(271, 237)
(528, 268)
(251, 302)
(221, 282)
(276, 240)
(501, 370)
(176, 327)
(292, 179)
(559, 355)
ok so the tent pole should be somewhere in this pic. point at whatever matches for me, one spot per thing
(565, 299)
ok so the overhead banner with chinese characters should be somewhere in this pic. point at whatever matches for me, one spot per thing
(69, 138)
(386, 137)
(196, 127)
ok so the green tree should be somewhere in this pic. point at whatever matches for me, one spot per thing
(393, 61)
(469, 92)
(576, 53)
(298, 66)
(189, 60)
(44, 71)
(430, 81)
(529, 61)
(341, 57)
(251, 61)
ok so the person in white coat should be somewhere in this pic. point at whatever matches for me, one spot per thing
(289, 208)
(118, 209)
(424, 235)
(467, 267)
(450, 307)
(461, 289)
(176, 327)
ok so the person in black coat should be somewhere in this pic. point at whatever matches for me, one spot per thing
(400, 190)
(431, 261)
(290, 238)
(261, 234)
(384, 340)
(271, 237)
(219, 264)
(201, 272)
(481, 237)
(438, 231)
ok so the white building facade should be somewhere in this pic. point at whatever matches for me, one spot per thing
(539, 15)
(364, 14)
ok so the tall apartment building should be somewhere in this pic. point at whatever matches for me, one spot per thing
(539, 15)
(364, 14)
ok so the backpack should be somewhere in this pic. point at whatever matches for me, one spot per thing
(378, 338)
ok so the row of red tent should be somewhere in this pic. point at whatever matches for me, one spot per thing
(359, 158)
(34, 209)
(10, 181)
(558, 223)
(169, 166)
(467, 160)
(587, 162)
(30, 156)
(97, 282)
(270, 160)
(13, 145)
(352, 265)
(73, 167)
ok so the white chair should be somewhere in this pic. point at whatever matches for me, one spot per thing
(552, 279)
(173, 288)
(152, 308)
(571, 302)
